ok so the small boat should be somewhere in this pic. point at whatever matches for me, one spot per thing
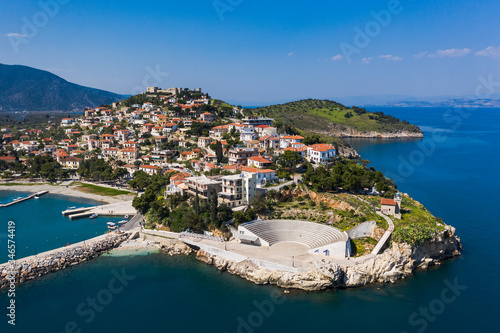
(122, 222)
(71, 207)
(110, 224)
(93, 216)
(37, 197)
(112, 228)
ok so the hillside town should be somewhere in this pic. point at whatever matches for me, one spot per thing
(206, 146)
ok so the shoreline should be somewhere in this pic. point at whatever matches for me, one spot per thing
(69, 191)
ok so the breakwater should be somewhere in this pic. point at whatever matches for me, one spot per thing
(19, 271)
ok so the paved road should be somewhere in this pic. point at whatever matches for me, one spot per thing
(133, 223)
(296, 178)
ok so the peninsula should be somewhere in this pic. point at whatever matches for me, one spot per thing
(271, 194)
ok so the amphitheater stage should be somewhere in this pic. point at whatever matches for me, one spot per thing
(289, 249)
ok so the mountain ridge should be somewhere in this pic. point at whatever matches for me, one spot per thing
(24, 88)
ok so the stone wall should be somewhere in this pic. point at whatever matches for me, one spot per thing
(52, 261)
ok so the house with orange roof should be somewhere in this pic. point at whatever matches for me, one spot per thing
(207, 116)
(265, 130)
(170, 127)
(218, 131)
(320, 153)
(301, 150)
(70, 162)
(259, 162)
(128, 154)
(391, 206)
(187, 155)
(287, 140)
(210, 166)
(150, 169)
(263, 176)
(8, 159)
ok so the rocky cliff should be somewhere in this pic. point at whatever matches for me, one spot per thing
(395, 263)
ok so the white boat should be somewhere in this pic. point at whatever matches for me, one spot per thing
(111, 224)
(93, 216)
(71, 207)
(122, 222)
(36, 197)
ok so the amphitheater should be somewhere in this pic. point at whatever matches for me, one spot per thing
(292, 237)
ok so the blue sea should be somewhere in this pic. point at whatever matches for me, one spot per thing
(452, 171)
(40, 226)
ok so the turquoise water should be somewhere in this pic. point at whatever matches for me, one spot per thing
(40, 225)
(457, 182)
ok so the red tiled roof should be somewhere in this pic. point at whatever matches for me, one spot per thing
(322, 147)
(389, 202)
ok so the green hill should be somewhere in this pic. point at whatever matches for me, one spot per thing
(334, 119)
(31, 89)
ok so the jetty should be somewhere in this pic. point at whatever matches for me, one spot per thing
(115, 209)
(24, 199)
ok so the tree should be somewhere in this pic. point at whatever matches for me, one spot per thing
(141, 180)
(219, 152)
(289, 159)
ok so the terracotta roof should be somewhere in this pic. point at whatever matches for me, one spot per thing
(7, 158)
(259, 159)
(322, 147)
(255, 170)
(389, 202)
(149, 167)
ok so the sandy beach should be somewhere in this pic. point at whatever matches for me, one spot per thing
(64, 189)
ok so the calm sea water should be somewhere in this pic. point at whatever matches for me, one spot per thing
(40, 225)
(457, 181)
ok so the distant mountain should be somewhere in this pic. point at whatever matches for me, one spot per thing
(31, 89)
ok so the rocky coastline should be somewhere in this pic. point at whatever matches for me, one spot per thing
(395, 263)
(33, 267)
(341, 131)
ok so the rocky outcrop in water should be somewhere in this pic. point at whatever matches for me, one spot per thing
(27, 269)
(395, 263)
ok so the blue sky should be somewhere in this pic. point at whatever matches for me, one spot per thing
(256, 52)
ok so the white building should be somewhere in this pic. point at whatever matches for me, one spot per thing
(238, 190)
(320, 153)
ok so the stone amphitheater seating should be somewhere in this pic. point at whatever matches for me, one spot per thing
(310, 234)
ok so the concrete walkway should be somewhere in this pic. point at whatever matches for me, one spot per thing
(386, 234)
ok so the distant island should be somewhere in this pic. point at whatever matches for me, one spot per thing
(24, 88)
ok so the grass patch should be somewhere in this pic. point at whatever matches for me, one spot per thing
(94, 189)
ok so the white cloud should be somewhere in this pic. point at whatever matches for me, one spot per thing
(390, 57)
(490, 51)
(420, 55)
(15, 34)
(290, 54)
(366, 60)
(337, 57)
(452, 53)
